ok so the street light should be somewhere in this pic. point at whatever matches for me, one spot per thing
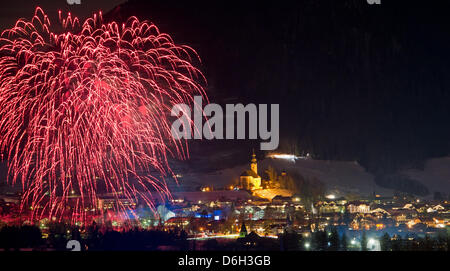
(307, 245)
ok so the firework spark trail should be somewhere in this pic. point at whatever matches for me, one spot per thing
(88, 106)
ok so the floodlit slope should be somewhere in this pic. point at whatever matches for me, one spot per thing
(271, 193)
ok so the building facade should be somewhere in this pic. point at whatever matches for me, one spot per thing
(249, 179)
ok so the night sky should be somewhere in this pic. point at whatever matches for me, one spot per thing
(354, 81)
(10, 11)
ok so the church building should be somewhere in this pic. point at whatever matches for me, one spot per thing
(249, 179)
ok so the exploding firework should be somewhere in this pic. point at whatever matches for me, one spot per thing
(85, 109)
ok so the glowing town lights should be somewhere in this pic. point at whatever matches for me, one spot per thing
(330, 196)
(411, 223)
(380, 226)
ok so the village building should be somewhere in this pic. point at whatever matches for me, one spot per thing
(249, 179)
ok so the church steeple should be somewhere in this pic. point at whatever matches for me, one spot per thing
(249, 179)
(243, 232)
(254, 164)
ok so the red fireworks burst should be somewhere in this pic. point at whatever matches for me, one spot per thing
(88, 107)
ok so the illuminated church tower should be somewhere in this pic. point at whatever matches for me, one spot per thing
(254, 164)
(249, 179)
